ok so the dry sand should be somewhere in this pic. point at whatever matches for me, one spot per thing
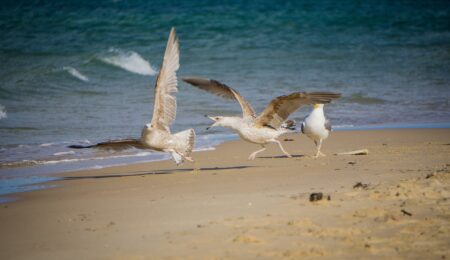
(233, 208)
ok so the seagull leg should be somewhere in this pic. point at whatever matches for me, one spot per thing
(189, 159)
(176, 157)
(319, 145)
(196, 168)
(282, 149)
(253, 155)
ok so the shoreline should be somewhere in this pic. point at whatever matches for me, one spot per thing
(252, 209)
(34, 177)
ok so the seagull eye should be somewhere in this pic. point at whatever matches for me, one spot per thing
(217, 118)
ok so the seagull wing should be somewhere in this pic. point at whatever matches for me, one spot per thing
(113, 145)
(222, 90)
(165, 108)
(281, 107)
(327, 125)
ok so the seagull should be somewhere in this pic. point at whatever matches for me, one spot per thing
(266, 127)
(156, 135)
(316, 127)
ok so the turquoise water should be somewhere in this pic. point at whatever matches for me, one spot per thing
(77, 72)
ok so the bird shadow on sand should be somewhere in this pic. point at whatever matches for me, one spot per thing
(281, 156)
(156, 172)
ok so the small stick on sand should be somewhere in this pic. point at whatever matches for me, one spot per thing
(406, 212)
(356, 152)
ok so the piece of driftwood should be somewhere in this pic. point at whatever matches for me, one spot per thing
(356, 152)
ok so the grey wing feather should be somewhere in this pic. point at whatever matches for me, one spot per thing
(328, 125)
(165, 107)
(113, 145)
(211, 85)
(281, 107)
(222, 90)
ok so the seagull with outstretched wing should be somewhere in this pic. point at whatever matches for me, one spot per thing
(266, 127)
(156, 135)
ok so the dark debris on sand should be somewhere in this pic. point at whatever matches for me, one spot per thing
(360, 185)
(316, 196)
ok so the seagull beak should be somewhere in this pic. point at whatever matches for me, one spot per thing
(213, 124)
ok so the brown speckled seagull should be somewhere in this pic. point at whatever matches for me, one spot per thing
(266, 127)
(156, 135)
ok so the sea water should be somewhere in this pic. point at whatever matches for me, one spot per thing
(82, 72)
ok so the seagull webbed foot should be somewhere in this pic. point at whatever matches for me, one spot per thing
(319, 154)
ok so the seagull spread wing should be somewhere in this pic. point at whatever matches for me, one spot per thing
(281, 107)
(113, 145)
(165, 108)
(222, 90)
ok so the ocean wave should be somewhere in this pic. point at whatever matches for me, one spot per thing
(64, 153)
(27, 163)
(3, 112)
(128, 60)
(47, 144)
(74, 72)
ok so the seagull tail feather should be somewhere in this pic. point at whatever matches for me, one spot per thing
(186, 142)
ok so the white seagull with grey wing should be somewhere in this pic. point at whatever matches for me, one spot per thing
(266, 127)
(317, 127)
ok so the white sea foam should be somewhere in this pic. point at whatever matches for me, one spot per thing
(2, 112)
(72, 160)
(46, 144)
(205, 149)
(343, 126)
(130, 61)
(64, 153)
(74, 72)
(141, 154)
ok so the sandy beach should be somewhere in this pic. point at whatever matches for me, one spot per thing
(393, 203)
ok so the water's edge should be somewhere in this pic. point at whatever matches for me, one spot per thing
(10, 189)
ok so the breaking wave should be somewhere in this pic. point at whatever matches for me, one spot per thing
(72, 71)
(129, 61)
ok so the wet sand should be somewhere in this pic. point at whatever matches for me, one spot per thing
(226, 207)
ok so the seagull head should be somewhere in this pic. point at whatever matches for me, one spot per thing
(316, 106)
(217, 121)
